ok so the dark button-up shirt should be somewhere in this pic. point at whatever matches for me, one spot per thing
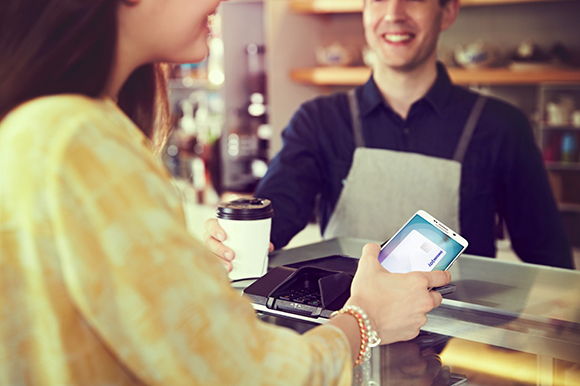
(502, 176)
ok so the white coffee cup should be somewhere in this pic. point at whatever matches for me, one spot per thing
(247, 223)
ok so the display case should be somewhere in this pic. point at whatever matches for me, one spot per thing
(507, 323)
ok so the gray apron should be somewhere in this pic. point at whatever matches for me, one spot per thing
(384, 188)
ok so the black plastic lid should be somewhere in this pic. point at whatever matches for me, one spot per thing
(245, 209)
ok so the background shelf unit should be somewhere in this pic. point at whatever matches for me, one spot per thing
(564, 176)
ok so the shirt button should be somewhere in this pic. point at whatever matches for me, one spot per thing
(406, 130)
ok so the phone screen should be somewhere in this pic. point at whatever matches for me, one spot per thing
(419, 246)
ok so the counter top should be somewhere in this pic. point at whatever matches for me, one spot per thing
(519, 306)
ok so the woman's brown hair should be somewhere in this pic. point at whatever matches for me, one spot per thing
(53, 47)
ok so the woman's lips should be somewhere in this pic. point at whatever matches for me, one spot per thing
(208, 21)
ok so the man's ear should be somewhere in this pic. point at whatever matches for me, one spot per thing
(450, 11)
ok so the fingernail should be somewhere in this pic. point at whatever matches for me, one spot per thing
(229, 256)
(221, 236)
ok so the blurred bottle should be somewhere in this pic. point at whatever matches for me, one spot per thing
(552, 150)
(171, 158)
(193, 133)
(569, 147)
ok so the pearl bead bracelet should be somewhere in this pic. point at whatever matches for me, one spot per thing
(368, 337)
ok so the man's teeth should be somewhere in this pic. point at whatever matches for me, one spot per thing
(397, 38)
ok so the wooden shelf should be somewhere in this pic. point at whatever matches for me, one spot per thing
(353, 6)
(331, 76)
(499, 76)
(568, 207)
(562, 166)
(548, 127)
(475, 3)
(326, 6)
(352, 76)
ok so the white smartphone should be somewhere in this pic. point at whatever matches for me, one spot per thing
(422, 244)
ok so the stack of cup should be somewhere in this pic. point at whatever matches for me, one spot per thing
(247, 223)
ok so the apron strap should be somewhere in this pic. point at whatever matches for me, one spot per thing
(469, 128)
(355, 119)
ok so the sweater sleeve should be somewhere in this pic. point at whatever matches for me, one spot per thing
(153, 295)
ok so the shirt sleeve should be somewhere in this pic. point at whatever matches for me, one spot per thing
(153, 295)
(294, 179)
(531, 214)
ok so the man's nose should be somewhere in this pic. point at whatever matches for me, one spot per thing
(394, 10)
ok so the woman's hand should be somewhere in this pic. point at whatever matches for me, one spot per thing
(396, 303)
(214, 237)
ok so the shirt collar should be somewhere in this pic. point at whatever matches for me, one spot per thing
(439, 93)
(370, 96)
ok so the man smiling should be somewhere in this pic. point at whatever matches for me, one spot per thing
(409, 139)
(404, 35)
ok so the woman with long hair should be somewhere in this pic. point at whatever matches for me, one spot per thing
(100, 281)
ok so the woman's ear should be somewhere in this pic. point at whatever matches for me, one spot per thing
(450, 10)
